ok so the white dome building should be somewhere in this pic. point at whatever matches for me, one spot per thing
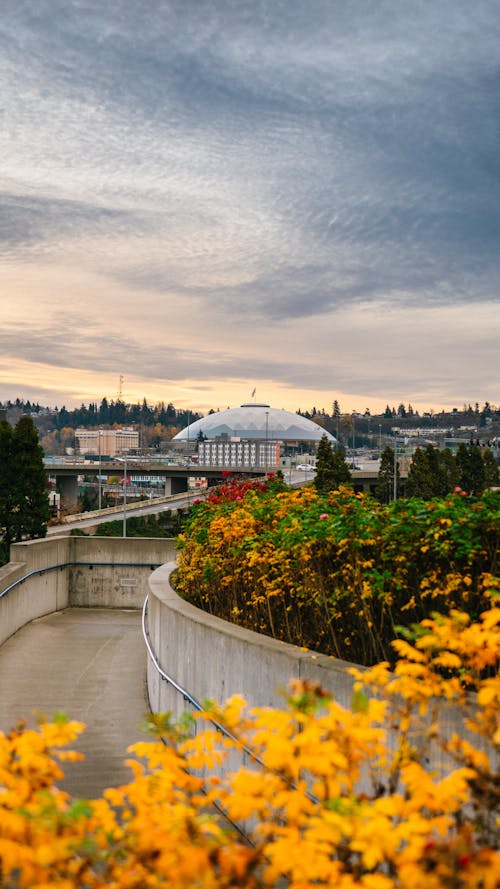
(258, 422)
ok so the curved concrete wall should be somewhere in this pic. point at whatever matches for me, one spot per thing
(115, 575)
(208, 657)
(39, 594)
(212, 658)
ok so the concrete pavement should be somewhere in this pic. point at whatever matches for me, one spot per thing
(90, 664)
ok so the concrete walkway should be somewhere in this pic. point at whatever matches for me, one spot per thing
(91, 665)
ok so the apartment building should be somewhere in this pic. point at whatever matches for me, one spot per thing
(105, 441)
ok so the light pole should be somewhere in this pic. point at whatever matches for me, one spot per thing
(396, 467)
(267, 433)
(380, 437)
(125, 496)
(124, 461)
(100, 479)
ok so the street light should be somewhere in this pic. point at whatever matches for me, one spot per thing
(267, 432)
(395, 469)
(100, 478)
(125, 497)
(124, 461)
(403, 441)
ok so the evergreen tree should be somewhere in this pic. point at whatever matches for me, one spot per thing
(7, 482)
(104, 414)
(450, 473)
(491, 472)
(472, 469)
(331, 468)
(384, 491)
(422, 480)
(31, 510)
(437, 481)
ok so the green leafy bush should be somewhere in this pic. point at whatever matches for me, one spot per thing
(338, 572)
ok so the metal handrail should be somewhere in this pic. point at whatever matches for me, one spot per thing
(194, 703)
(62, 565)
(185, 694)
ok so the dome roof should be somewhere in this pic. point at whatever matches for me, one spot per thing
(255, 421)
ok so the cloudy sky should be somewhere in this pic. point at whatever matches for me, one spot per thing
(209, 197)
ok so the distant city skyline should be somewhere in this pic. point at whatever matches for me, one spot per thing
(208, 198)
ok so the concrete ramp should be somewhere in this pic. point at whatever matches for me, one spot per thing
(91, 665)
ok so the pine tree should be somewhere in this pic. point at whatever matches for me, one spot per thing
(472, 469)
(331, 468)
(31, 510)
(7, 480)
(450, 473)
(384, 491)
(436, 479)
(421, 480)
(491, 472)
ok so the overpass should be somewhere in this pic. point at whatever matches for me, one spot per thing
(175, 476)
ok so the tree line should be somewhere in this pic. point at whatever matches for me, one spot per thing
(432, 472)
(106, 413)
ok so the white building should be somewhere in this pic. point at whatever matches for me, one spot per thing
(105, 441)
(259, 422)
(234, 453)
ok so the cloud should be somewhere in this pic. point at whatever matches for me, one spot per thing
(215, 173)
(29, 220)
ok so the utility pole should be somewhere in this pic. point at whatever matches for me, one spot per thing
(99, 433)
(395, 469)
(125, 496)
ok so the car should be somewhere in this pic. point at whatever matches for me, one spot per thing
(306, 467)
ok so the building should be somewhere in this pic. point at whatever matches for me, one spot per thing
(255, 422)
(237, 453)
(107, 442)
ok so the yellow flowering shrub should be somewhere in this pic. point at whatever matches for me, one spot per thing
(337, 572)
(330, 797)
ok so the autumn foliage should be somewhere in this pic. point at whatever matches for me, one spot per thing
(338, 572)
(329, 797)
(401, 791)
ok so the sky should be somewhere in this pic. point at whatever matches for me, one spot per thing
(205, 199)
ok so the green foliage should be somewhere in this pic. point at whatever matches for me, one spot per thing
(435, 473)
(168, 523)
(424, 476)
(385, 484)
(24, 501)
(7, 482)
(472, 473)
(4, 552)
(491, 471)
(338, 572)
(331, 469)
